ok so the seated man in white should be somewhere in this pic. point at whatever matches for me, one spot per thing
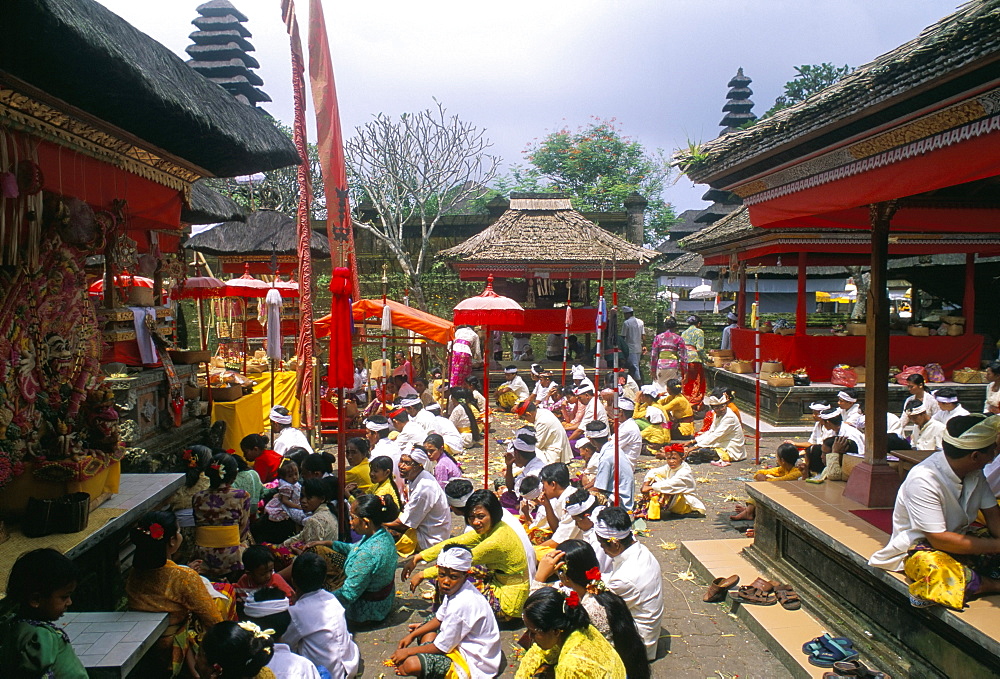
(724, 441)
(947, 562)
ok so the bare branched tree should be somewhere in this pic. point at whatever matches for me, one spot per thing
(413, 170)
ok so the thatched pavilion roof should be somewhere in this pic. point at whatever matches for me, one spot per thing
(84, 54)
(543, 231)
(958, 44)
(254, 237)
(208, 206)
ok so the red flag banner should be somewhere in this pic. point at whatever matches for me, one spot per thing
(330, 140)
(306, 340)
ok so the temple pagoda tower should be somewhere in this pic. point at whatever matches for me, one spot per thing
(738, 104)
(220, 51)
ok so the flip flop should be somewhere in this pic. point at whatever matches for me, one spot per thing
(816, 644)
(856, 668)
(832, 651)
(717, 590)
(787, 597)
(756, 597)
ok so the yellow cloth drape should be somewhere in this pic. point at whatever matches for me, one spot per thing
(242, 417)
(217, 536)
(936, 577)
(286, 394)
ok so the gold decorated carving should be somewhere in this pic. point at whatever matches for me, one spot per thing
(928, 126)
(21, 112)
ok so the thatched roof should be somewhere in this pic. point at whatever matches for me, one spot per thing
(880, 91)
(688, 264)
(208, 206)
(87, 56)
(544, 227)
(732, 227)
(254, 237)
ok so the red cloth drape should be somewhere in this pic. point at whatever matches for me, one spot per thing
(818, 354)
(341, 370)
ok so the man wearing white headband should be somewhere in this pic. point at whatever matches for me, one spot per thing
(551, 441)
(850, 411)
(929, 432)
(464, 625)
(417, 413)
(426, 519)
(599, 435)
(947, 399)
(918, 394)
(377, 429)
(579, 374)
(273, 614)
(628, 434)
(521, 454)
(833, 425)
(585, 394)
(636, 575)
(723, 443)
(555, 493)
(934, 508)
(546, 392)
(816, 436)
(585, 510)
(287, 436)
(411, 433)
(727, 332)
(512, 391)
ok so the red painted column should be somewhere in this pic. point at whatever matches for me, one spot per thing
(800, 300)
(969, 300)
(741, 297)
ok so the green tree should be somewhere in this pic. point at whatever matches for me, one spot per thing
(599, 167)
(808, 80)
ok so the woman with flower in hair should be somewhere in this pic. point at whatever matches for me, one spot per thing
(564, 643)
(575, 562)
(157, 584)
(222, 520)
(194, 462)
(236, 651)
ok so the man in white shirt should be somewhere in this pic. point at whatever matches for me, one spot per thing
(551, 442)
(584, 508)
(727, 332)
(934, 508)
(410, 433)
(628, 434)
(579, 374)
(833, 425)
(929, 432)
(520, 454)
(403, 388)
(272, 613)
(632, 333)
(446, 429)
(545, 392)
(636, 576)
(426, 519)
(555, 492)
(414, 408)
(287, 436)
(947, 400)
(850, 411)
(318, 631)
(724, 437)
(599, 436)
(512, 391)
(586, 395)
(378, 428)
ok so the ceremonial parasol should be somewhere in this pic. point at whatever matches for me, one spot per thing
(126, 280)
(484, 309)
(246, 286)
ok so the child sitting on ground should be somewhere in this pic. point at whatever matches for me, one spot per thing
(787, 470)
(462, 639)
(286, 503)
(318, 631)
(39, 591)
(670, 488)
(268, 609)
(258, 573)
(827, 460)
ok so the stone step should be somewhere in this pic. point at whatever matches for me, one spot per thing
(782, 632)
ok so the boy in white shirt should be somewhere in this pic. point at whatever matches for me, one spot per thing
(319, 627)
(463, 634)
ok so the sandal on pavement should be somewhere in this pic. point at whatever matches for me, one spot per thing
(787, 597)
(833, 651)
(856, 668)
(816, 644)
(718, 588)
(759, 592)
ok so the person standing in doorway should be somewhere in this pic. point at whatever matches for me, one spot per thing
(633, 330)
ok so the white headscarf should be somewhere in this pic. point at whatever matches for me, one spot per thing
(456, 558)
(978, 436)
(278, 418)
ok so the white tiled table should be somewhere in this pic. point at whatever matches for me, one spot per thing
(110, 644)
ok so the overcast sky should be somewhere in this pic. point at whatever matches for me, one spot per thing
(522, 68)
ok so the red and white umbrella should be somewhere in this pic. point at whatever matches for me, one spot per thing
(199, 287)
(484, 309)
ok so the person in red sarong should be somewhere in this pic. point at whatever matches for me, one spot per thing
(694, 377)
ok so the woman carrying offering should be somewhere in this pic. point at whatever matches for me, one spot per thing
(575, 562)
(564, 643)
(222, 520)
(159, 585)
(501, 565)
